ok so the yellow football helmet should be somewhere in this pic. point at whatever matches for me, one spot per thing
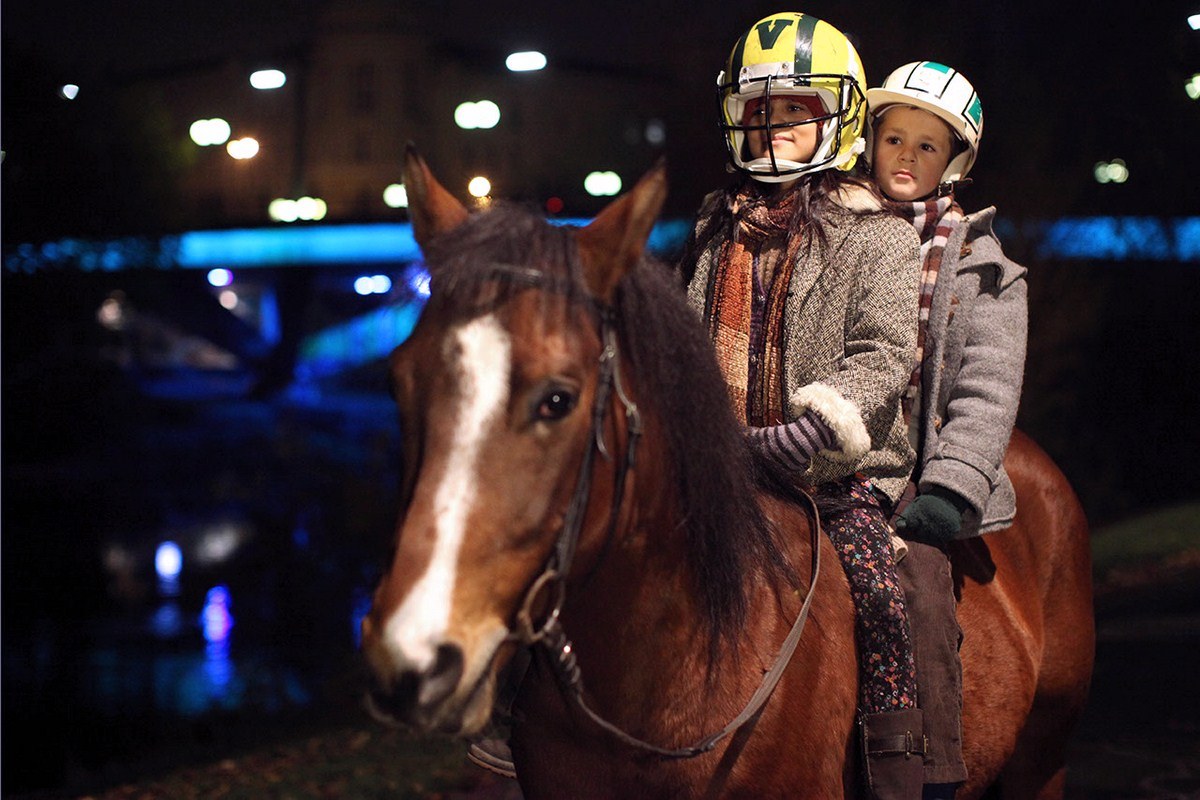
(794, 54)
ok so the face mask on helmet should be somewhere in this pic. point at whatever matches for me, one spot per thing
(798, 56)
(943, 92)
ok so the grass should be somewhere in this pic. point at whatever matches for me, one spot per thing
(1155, 536)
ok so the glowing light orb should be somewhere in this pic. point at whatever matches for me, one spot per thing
(168, 561)
(209, 132)
(470, 116)
(267, 79)
(525, 61)
(242, 149)
(395, 196)
(602, 184)
(479, 186)
(219, 277)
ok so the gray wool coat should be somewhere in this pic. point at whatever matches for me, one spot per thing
(971, 377)
(850, 335)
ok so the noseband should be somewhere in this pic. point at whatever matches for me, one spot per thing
(549, 633)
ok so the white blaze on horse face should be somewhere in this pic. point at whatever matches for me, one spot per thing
(478, 355)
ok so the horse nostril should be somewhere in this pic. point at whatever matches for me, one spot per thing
(443, 677)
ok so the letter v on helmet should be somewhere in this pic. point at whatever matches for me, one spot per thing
(769, 30)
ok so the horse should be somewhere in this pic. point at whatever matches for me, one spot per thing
(575, 483)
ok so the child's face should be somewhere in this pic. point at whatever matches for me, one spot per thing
(797, 143)
(912, 149)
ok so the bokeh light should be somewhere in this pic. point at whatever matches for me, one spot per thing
(209, 132)
(1114, 171)
(267, 79)
(282, 209)
(219, 277)
(395, 196)
(68, 91)
(602, 184)
(373, 284)
(168, 561)
(244, 148)
(525, 61)
(479, 186)
(481, 115)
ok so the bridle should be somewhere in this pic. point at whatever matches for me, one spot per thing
(549, 633)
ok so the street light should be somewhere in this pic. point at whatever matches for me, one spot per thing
(1114, 171)
(242, 149)
(281, 209)
(525, 61)
(208, 132)
(602, 184)
(395, 196)
(1192, 87)
(484, 114)
(479, 186)
(265, 79)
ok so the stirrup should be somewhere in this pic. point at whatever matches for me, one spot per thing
(494, 756)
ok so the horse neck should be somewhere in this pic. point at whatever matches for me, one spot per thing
(639, 601)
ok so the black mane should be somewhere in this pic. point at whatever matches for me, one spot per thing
(678, 380)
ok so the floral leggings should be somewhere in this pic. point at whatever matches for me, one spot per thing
(853, 518)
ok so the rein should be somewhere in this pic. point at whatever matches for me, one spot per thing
(549, 634)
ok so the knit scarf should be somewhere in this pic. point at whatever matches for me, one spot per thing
(934, 219)
(747, 295)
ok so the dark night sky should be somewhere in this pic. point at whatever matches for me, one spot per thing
(1063, 84)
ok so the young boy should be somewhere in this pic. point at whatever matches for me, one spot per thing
(961, 401)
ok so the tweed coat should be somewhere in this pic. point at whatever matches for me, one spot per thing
(850, 323)
(972, 374)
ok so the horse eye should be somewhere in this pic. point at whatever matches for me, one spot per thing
(555, 405)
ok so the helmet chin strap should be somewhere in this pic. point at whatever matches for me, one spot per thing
(950, 187)
(800, 169)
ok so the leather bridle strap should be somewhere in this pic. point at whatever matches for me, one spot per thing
(562, 656)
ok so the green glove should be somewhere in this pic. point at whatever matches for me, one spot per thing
(934, 517)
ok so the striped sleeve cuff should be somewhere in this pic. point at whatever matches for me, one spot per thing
(795, 443)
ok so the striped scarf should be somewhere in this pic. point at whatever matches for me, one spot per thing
(746, 325)
(934, 219)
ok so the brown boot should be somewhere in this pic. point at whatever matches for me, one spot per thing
(894, 750)
(493, 755)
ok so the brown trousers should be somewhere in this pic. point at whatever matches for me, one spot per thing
(929, 589)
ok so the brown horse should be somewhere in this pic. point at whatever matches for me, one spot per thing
(572, 467)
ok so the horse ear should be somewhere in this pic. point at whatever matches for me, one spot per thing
(614, 241)
(431, 208)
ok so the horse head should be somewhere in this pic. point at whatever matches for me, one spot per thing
(495, 388)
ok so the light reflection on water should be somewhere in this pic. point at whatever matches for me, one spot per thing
(188, 675)
(279, 512)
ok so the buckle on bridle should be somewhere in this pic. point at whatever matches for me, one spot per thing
(526, 630)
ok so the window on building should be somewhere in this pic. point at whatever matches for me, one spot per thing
(362, 89)
(362, 148)
(412, 92)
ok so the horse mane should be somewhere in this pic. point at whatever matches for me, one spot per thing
(717, 475)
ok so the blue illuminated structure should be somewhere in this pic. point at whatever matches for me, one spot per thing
(391, 246)
(1070, 238)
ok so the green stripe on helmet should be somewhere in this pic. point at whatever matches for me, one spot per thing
(804, 43)
(975, 111)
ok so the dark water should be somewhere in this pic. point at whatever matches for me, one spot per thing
(277, 512)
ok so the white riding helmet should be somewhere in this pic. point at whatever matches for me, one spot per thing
(943, 92)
